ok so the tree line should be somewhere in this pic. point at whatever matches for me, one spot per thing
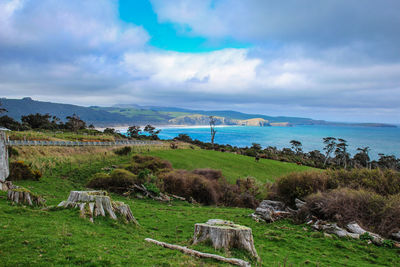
(334, 155)
(44, 122)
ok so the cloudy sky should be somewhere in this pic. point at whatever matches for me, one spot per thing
(337, 60)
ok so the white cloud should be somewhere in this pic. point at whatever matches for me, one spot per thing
(81, 52)
(227, 70)
(72, 26)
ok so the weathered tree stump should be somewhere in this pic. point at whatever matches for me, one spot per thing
(225, 234)
(7, 185)
(21, 195)
(96, 203)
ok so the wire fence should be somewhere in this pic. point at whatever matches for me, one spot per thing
(76, 143)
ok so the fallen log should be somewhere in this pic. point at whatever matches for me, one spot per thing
(199, 254)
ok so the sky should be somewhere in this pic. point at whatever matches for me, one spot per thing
(337, 60)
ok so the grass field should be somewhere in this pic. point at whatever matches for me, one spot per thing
(232, 166)
(34, 237)
(59, 136)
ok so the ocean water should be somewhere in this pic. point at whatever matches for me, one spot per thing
(380, 140)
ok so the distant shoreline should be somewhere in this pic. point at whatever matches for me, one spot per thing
(187, 126)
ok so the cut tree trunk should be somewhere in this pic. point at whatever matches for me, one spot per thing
(225, 234)
(7, 185)
(199, 254)
(96, 203)
(24, 196)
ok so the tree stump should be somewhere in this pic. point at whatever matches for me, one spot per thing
(7, 185)
(225, 234)
(97, 203)
(21, 195)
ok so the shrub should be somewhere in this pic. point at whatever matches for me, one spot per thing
(300, 185)
(383, 182)
(188, 184)
(123, 151)
(377, 213)
(154, 164)
(204, 187)
(20, 171)
(12, 152)
(209, 173)
(118, 181)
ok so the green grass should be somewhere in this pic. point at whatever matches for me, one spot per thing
(34, 237)
(233, 166)
(59, 135)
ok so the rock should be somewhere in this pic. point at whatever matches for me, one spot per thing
(97, 203)
(332, 228)
(271, 204)
(225, 234)
(270, 210)
(396, 236)
(299, 203)
(353, 227)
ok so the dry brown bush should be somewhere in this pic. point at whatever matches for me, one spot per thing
(188, 184)
(209, 173)
(210, 190)
(377, 213)
(300, 185)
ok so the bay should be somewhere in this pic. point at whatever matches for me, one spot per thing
(379, 139)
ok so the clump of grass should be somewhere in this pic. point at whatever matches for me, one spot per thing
(118, 181)
(123, 151)
(154, 164)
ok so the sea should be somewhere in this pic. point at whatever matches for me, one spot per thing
(380, 139)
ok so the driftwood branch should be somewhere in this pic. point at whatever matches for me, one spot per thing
(199, 254)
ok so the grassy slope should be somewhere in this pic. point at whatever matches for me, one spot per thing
(232, 166)
(58, 136)
(34, 237)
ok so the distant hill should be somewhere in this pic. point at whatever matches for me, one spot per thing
(132, 114)
(19, 107)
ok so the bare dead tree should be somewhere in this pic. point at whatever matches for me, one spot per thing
(212, 128)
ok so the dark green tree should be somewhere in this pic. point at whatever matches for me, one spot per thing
(363, 156)
(110, 131)
(134, 131)
(39, 121)
(296, 146)
(341, 152)
(10, 123)
(151, 130)
(74, 123)
(330, 145)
